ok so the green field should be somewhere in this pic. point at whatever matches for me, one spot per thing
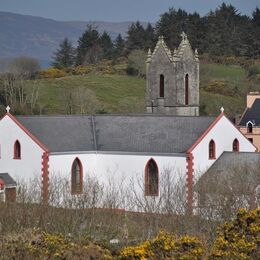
(232, 96)
(122, 94)
(112, 93)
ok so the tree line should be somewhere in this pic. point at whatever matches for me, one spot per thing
(91, 48)
(223, 32)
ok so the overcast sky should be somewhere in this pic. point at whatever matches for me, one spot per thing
(116, 10)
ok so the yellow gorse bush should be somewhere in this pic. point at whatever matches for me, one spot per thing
(37, 244)
(239, 239)
(104, 67)
(165, 246)
(52, 73)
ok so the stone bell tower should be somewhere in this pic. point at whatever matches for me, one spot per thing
(172, 80)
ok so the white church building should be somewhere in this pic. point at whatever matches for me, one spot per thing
(128, 147)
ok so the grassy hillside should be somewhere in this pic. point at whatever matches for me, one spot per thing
(222, 85)
(107, 93)
(219, 86)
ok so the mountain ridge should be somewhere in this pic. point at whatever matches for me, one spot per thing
(38, 37)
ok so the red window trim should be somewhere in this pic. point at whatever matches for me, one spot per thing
(2, 184)
(75, 192)
(16, 156)
(237, 145)
(213, 156)
(26, 131)
(146, 193)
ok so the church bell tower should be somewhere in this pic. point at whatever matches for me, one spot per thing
(172, 80)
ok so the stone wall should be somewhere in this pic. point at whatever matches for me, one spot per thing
(174, 68)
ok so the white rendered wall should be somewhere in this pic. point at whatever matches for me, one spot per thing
(29, 166)
(223, 134)
(118, 167)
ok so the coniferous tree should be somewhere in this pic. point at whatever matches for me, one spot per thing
(222, 29)
(64, 57)
(107, 46)
(135, 37)
(255, 36)
(222, 32)
(171, 25)
(87, 42)
(119, 45)
(150, 39)
(196, 31)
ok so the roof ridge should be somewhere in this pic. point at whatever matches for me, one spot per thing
(112, 115)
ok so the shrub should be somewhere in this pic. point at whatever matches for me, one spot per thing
(36, 244)
(136, 63)
(220, 87)
(165, 246)
(80, 70)
(254, 70)
(52, 73)
(239, 239)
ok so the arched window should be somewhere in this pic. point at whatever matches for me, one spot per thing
(187, 89)
(250, 127)
(76, 177)
(161, 85)
(2, 184)
(151, 179)
(17, 150)
(235, 146)
(212, 150)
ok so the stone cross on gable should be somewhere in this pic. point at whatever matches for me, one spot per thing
(184, 36)
(8, 109)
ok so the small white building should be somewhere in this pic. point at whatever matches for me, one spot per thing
(129, 147)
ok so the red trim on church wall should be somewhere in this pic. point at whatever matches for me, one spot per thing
(238, 128)
(205, 133)
(17, 154)
(189, 181)
(146, 193)
(73, 191)
(45, 177)
(26, 131)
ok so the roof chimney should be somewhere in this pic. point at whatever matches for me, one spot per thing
(251, 97)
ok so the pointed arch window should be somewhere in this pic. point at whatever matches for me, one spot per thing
(161, 85)
(212, 150)
(151, 178)
(250, 127)
(17, 150)
(235, 147)
(187, 89)
(76, 177)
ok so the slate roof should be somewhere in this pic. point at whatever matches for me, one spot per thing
(226, 169)
(117, 133)
(252, 114)
(8, 180)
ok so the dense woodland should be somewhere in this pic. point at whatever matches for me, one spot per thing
(223, 32)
